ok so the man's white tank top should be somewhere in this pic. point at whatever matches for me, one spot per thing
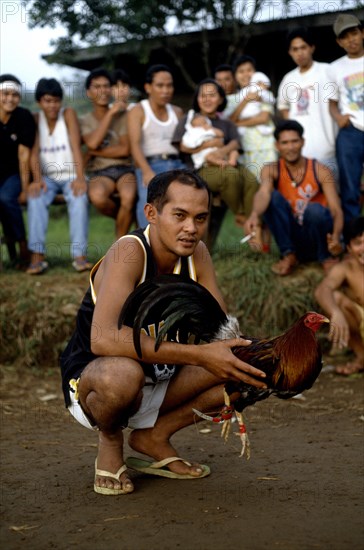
(55, 151)
(157, 135)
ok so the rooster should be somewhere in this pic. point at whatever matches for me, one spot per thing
(186, 310)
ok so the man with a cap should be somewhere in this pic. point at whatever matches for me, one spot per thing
(347, 108)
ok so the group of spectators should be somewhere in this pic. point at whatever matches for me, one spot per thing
(298, 179)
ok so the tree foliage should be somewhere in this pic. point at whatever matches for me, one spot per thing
(100, 22)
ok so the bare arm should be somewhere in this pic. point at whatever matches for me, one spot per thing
(262, 118)
(213, 142)
(341, 120)
(284, 113)
(79, 185)
(135, 123)
(262, 197)
(24, 169)
(235, 116)
(116, 279)
(94, 139)
(37, 183)
(122, 149)
(327, 182)
(324, 294)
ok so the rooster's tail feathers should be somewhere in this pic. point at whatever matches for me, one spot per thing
(185, 307)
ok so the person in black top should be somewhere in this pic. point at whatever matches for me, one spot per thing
(106, 386)
(17, 135)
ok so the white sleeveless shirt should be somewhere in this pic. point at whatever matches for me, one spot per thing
(157, 134)
(55, 151)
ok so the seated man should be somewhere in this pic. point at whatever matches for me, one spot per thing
(17, 134)
(109, 165)
(106, 387)
(341, 296)
(57, 167)
(151, 124)
(298, 200)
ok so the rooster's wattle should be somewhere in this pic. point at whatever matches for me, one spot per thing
(186, 310)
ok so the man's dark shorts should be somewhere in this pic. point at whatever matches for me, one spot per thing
(112, 172)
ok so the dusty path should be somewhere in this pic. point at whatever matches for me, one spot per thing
(301, 490)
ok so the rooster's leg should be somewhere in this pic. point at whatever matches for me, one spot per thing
(225, 430)
(243, 435)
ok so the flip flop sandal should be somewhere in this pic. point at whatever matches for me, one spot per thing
(159, 468)
(109, 490)
(37, 268)
(81, 266)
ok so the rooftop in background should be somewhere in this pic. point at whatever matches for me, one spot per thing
(267, 43)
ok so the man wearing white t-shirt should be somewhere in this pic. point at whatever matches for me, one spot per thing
(151, 125)
(303, 96)
(347, 109)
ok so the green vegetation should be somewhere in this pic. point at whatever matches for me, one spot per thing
(37, 314)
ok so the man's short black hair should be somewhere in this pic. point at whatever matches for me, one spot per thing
(223, 68)
(119, 75)
(97, 73)
(220, 90)
(153, 70)
(300, 32)
(11, 77)
(355, 228)
(244, 59)
(287, 125)
(48, 86)
(158, 186)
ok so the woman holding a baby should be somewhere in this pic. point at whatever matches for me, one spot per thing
(214, 144)
(253, 115)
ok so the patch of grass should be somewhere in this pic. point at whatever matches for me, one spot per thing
(37, 314)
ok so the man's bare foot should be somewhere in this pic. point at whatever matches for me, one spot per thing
(110, 459)
(285, 266)
(351, 368)
(145, 442)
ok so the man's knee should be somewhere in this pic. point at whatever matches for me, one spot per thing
(315, 213)
(35, 204)
(98, 196)
(111, 377)
(127, 198)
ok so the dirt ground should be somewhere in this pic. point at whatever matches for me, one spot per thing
(302, 488)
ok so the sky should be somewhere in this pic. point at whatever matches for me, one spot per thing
(21, 48)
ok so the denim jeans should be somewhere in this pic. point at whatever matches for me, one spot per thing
(350, 158)
(10, 211)
(158, 167)
(38, 215)
(307, 241)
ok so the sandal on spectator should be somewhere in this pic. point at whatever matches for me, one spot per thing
(37, 268)
(81, 265)
(285, 266)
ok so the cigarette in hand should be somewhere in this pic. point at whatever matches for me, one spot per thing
(247, 237)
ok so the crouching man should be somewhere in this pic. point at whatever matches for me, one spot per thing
(106, 386)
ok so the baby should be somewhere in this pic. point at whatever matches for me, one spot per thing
(199, 130)
(259, 84)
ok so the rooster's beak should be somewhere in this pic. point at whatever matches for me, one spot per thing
(325, 320)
